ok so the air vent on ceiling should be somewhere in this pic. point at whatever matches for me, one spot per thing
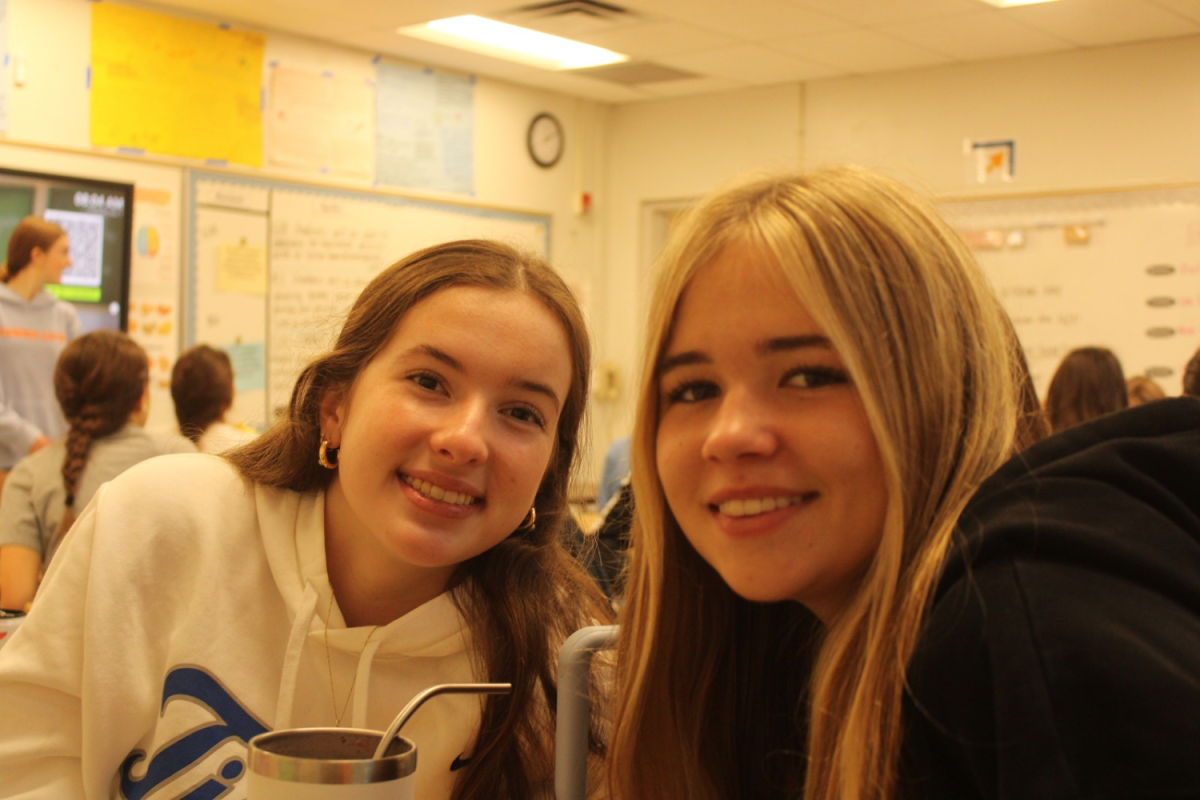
(570, 17)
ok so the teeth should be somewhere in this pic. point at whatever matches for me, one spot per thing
(756, 505)
(438, 493)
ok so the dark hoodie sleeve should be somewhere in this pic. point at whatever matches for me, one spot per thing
(1061, 657)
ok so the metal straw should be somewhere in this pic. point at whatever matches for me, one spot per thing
(445, 688)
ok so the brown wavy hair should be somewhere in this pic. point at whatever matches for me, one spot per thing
(99, 381)
(30, 233)
(524, 596)
(1088, 383)
(202, 389)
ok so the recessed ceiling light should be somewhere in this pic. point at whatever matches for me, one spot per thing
(1011, 3)
(512, 43)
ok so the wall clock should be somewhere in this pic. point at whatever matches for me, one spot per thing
(545, 140)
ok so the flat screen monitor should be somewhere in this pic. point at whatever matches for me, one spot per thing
(98, 219)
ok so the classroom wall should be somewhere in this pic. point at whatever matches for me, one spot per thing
(660, 155)
(1102, 118)
(1105, 117)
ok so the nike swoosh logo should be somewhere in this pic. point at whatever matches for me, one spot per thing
(459, 762)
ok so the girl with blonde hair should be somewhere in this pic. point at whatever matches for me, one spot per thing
(828, 380)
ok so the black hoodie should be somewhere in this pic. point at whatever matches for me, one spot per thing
(1061, 656)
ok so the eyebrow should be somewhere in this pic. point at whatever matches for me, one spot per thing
(455, 364)
(781, 344)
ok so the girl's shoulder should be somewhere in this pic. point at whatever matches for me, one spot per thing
(179, 486)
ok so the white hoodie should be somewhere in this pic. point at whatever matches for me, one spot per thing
(184, 614)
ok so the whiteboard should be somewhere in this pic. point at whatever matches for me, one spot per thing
(1117, 269)
(273, 267)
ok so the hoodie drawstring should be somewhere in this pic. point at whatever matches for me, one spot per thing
(362, 682)
(291, 662)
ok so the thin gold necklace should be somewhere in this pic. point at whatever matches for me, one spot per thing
(337, 716)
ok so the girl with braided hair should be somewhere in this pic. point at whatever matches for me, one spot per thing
(101, 384)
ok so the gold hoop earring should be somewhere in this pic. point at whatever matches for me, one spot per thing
(530, 519)
(327, 456)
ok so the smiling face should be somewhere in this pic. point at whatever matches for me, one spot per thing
(764, 451)
(447, 433)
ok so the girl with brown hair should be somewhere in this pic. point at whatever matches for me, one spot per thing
(101, 381)
(202, 389)
(1088, 383)
(399, 528)
(828, 597)
(35, 326)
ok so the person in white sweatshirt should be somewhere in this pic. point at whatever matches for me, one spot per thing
(398, 528)
(35, 326)
(202, 389)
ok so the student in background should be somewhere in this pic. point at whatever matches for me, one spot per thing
(616, 470)
(1088, 383)
(843, 586)
(1191, 376)
(35, 326)
(1143, 389)
(101, 383)
(202, 388)
(399, 528)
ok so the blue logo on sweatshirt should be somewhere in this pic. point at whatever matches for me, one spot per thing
(234, 723)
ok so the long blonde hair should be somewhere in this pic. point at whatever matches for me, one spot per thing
(933, 358)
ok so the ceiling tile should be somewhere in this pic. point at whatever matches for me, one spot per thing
(860, 51)
(1186, 8)
(652, 39)
(759, 19)
(574, 85)
(1102, 22)
(750, 64)
(978, 35)
(731, 42)
(886, 12)
(691, 87)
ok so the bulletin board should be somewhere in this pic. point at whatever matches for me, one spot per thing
(273, 267)
(1116, 269)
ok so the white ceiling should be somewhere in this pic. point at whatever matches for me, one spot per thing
(726, 44)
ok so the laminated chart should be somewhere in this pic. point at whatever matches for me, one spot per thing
(424, 128)
(167, 85)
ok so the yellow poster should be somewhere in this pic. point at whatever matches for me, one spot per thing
(167, 85)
